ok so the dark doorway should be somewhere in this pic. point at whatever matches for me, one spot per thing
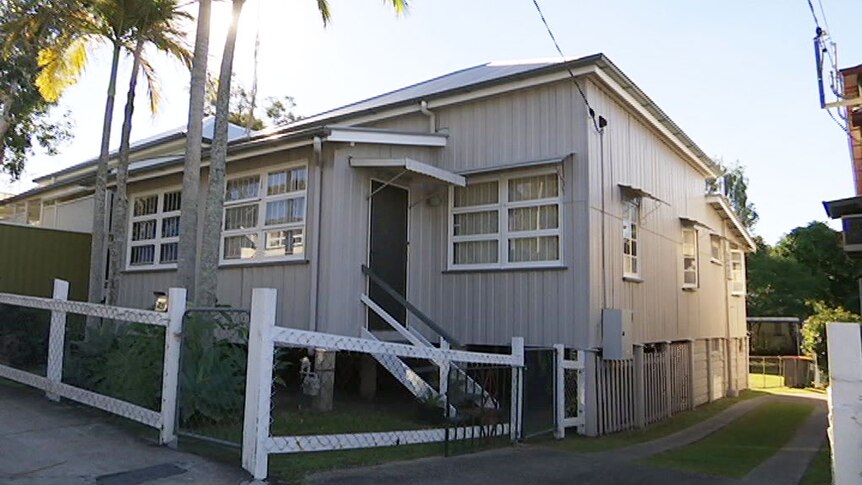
(388, 251)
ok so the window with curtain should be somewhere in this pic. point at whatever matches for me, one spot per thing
(510, 221)
(737, 272)
(689, 258)
(154, 230)
(631, 224)
(264, 215)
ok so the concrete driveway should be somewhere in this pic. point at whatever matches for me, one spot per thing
(48, 443)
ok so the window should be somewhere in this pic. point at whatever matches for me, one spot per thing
(689, 258)
(737, 272)
(264, 215)
(511, 221)
(715, 248)
(631, 223)
(154, 230)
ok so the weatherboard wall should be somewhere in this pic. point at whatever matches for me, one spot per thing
(636, 155)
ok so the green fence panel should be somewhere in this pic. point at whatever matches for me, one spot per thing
(31, 257)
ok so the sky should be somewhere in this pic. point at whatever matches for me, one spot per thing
(737, 76)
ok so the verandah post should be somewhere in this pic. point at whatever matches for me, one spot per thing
(255, 431)
(171, 369)
(57, 339)
(517, 398)
(559, 391)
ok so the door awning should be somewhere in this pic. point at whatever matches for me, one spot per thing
(410, 165)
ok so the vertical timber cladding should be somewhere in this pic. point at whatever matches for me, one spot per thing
(31, 257)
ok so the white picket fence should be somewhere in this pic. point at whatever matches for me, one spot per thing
(845, 401)
(265, 337)
(52, 383)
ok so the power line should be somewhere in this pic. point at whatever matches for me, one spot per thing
(844, 128)
(823, 14)
(590, 109)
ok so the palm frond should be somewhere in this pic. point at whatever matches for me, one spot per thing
(323, 8)
(61, 68)
(153, 85)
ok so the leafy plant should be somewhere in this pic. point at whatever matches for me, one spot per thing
(23, 336)
(814, 329)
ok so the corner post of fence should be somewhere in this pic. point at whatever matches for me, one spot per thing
(559, 391)
(444, 378)
(845, 388)
(591, 394)
(517, 388)
(258, 388)
(581, 391)
(171, 369)
(640, 390)
(57, 340)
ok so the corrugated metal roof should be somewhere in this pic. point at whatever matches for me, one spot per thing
(471, 76)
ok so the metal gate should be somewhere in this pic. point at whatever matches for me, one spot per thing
(211, 387)
(538, 415)
(478, 407)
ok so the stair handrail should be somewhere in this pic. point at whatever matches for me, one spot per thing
(409, 306)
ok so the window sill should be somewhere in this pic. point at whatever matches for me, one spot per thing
(505, 270)
(145, 269)
(247, 263)
(689, 288)
(633, 279)
(716, 261)
(738, 294)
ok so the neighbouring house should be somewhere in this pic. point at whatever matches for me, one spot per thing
(497, 205)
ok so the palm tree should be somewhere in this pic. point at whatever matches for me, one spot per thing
(207, 283)
(187, 246)
(103, 20)
(156, 22)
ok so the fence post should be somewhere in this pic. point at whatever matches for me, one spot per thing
(444, 378)
(691, 378)
(845, 392)
(559, 391)
(668, 398)
(591, 403)
(171, 370)
(517, 388)
(57, 339)
(258, 388)
(640, 390)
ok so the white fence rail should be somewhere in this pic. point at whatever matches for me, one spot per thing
(59, 306)
(845, 401)
(264, 337)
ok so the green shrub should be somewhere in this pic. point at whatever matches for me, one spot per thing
(23, 336)
(814, 329)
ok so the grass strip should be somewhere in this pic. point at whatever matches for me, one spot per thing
(819, 472)
(736, 449)
(678, 422)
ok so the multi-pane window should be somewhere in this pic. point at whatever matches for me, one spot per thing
(154, 230)
(715, 248)
(264, 215)
(737, 272)
(689, 258)
(631, 225)
(510, 221)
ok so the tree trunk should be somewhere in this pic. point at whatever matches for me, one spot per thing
(6, 119)
(207, 282)
(120, 216)
(97, 249)
(187, 247)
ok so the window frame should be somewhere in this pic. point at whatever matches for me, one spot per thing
(158, 240)
(503, 235)
(695, 256)
(712, 259)
(737, 276)
(260, 228)
(632, 202)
